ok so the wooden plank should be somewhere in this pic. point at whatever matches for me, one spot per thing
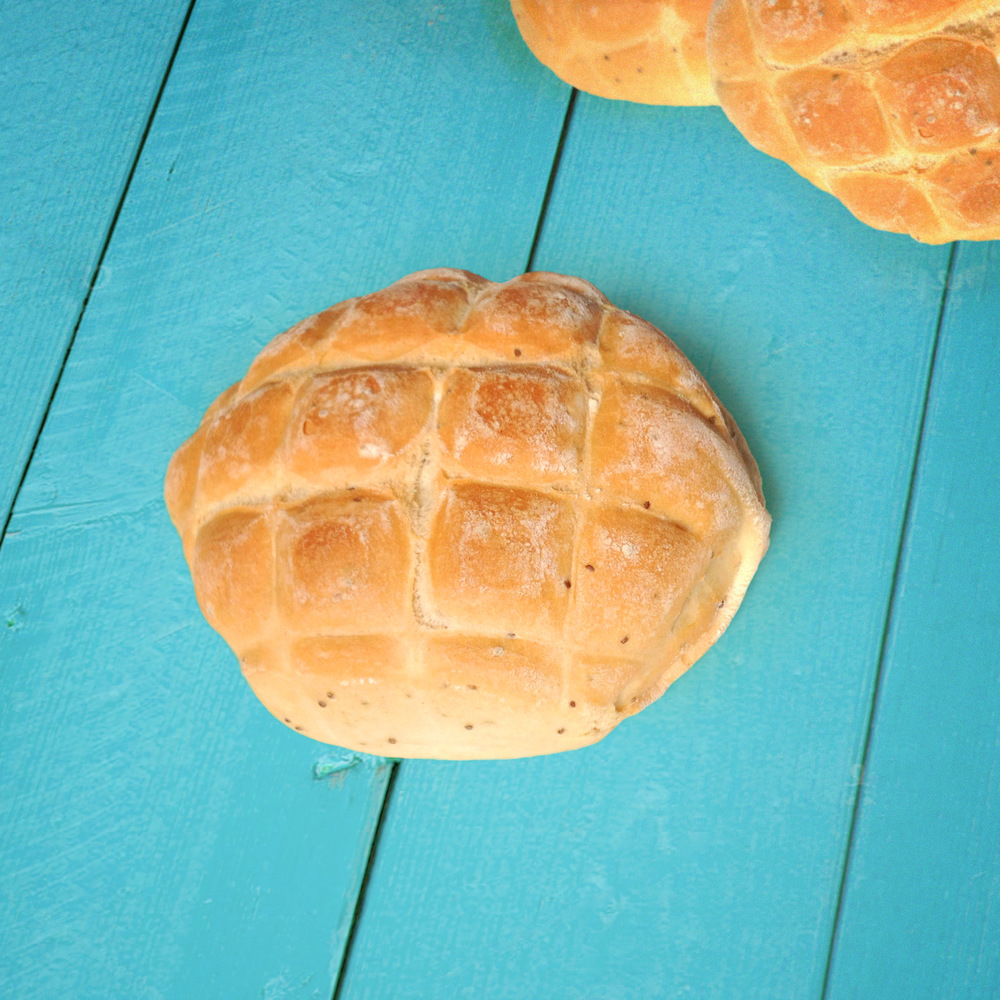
(78, 83)
(697, 851)
(161, 835)
(920, 916)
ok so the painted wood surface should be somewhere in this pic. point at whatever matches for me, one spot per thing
(161, 835)
(921, 913)
(698, 850)
(77, 83)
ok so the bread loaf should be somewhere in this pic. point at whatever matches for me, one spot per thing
(461, 519)
(893, 106)
(648, 51)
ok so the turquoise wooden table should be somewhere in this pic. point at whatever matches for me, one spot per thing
(812, 812)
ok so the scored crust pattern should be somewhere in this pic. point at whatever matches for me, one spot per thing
(454, 518)
(893, 106)
(648, 51)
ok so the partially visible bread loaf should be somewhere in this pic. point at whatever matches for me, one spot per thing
(461, 519)
(648, 51)
(893, 106)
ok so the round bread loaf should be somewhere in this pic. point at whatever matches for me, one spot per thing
(648, 51)
(893, 106)
(461, 519)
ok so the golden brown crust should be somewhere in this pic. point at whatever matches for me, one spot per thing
(499, 557)
(510, 423)
(647, 51)
(499, 535)
(893, 106)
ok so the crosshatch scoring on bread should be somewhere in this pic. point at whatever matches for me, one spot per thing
(893, 106)
(462, 519)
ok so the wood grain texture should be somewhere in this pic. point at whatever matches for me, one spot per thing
(162, 836)
(697, 851)
(920, 917)
(76, 88)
